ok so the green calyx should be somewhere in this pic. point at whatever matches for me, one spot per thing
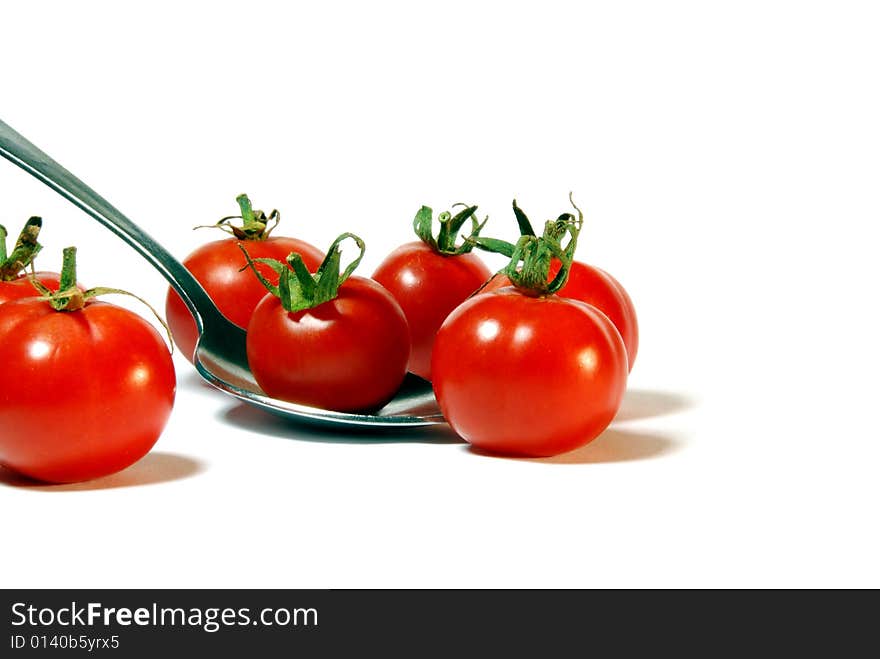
(12, 264)
(255, 224)
(450, 226)
(532, 255)
(297, 288)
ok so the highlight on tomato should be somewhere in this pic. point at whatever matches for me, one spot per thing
(221, 269)
(329, 339)
(15, 281)
(88, 386)
(522, 370)
(431, 276)
(589, 284)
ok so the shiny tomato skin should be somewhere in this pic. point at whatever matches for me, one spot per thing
(218, 268)
(347, 355)
(528, 376)
(84, 394)
(21, 287)
(597, 288)
(428, 286)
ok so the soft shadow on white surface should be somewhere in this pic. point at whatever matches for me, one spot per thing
(153, 468)
(611, 446)
(248, 417)
(192, 380)
(645, 403)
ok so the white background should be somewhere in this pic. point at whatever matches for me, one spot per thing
(726, 155)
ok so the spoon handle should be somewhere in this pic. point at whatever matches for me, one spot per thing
(18, 150)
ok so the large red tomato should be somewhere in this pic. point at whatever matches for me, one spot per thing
(348, 354)
(85, 393)
(532, 376)
(428, 285)
(596, 287)
(218, 267)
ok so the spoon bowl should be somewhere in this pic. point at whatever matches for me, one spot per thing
(220, 356)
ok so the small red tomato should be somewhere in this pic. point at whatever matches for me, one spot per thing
(87, 392)
(218, 266)
(597, 288)
(328, 340)
(430, 277)
(428, 285)
(528, 376)
(348, 354)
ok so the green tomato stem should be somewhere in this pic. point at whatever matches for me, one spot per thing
(297, 288)
(70, 298)
(450, 226)
(525, 226)
(531, 256)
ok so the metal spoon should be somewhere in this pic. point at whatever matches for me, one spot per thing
(220, 355)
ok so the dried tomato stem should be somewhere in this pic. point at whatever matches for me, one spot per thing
(23, 252)
(255, 223)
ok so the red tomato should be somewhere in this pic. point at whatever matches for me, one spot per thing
(21, 287)
(428, 285)
(86, 393)
(599, 289)
(236, 292)
(532, 376)
(348, 354)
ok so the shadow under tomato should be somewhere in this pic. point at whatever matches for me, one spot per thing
(611, 446)
(248, 417)
(645, 403)
(153, 468)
